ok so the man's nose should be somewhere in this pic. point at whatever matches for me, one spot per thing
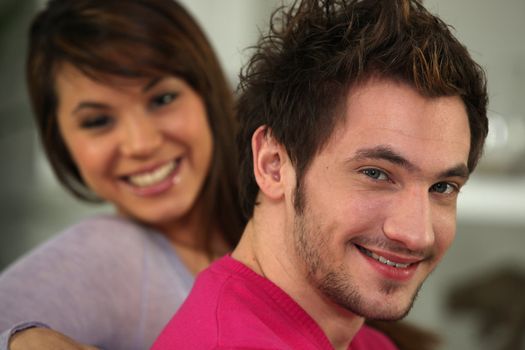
(141, 137)
(409, 221)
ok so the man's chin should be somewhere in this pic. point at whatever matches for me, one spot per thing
(387, 303)
(387, 315)
(392, 304)
(379, 313)
(383, 307)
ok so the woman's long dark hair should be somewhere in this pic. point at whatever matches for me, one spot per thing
(135, 39)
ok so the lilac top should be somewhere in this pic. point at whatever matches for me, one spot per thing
(106, 281)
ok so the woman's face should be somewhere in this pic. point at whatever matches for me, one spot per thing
(143, 145)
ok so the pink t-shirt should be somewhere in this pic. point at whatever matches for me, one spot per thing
(232, 307)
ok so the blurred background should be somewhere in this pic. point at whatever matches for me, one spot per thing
(476, 297)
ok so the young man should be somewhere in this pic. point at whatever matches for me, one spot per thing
(360, 122)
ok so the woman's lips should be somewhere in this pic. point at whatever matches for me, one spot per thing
(156, 181)
(153, 177)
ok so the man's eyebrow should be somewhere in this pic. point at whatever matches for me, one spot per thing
(383, 152)
(460, 170)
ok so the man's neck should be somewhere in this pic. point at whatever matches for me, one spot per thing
(264, 248)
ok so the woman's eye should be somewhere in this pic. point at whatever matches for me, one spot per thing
(163, 99)
(375, 174)
(97, 122)
(444, 188)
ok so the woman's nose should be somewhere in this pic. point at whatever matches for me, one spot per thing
(141, 137)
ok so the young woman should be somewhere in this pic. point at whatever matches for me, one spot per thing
(132, 108)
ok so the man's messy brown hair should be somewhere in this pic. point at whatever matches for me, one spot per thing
(316, 50)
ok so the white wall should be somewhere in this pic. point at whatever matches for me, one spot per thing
(232, 26)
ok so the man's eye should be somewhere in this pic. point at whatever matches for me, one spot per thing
(97, 122)
(163, 99)
(375, 174)
(444, 188)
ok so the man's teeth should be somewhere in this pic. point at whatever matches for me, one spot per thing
(151, 178)
(382, 259)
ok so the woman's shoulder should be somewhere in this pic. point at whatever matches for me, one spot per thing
(104, 227)
(106, 239)
(88, 244)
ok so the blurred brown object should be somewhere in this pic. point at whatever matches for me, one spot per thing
(497, 300)
(407, 336)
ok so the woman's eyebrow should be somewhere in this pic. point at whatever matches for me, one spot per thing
(151, 84)
(97, 105)
(89, 105)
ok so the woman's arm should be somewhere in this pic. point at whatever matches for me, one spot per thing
(39, 338)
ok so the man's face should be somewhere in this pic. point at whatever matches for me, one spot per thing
(376, 210)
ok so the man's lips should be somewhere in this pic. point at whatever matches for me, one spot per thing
(389, 259)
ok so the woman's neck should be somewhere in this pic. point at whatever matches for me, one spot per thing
(196, 241)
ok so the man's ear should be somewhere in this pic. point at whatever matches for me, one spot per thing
(268, 159)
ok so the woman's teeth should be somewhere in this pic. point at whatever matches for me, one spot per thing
(153, 177)
(381, 259)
